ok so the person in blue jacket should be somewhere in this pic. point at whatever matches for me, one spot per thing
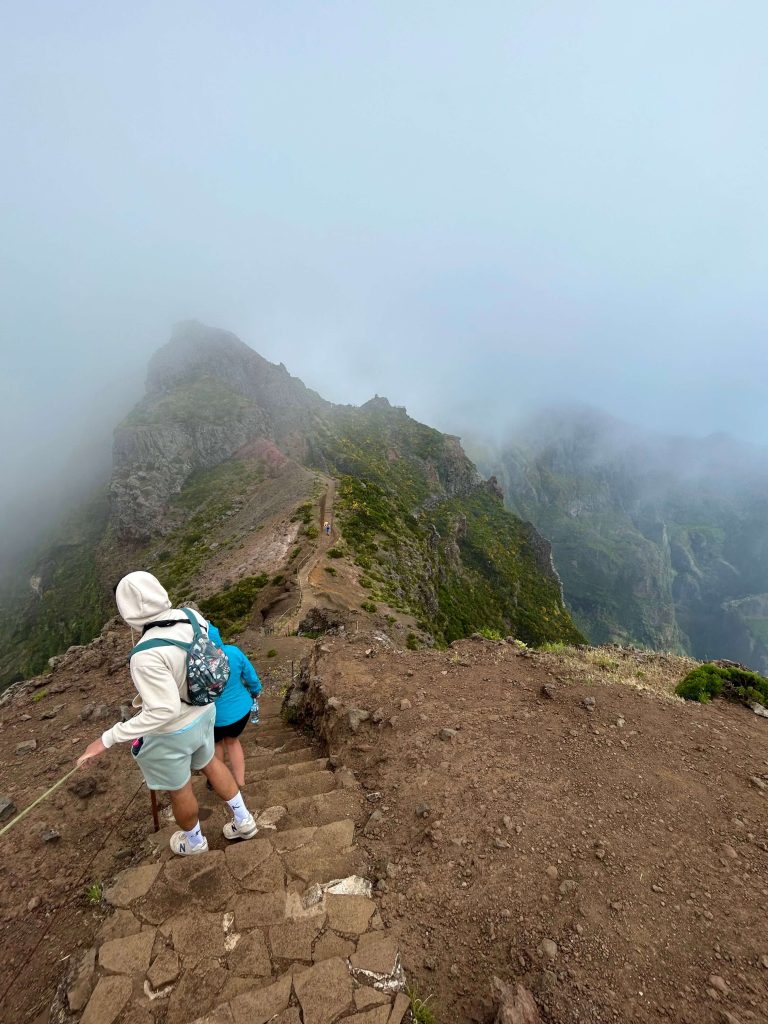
(233, 707)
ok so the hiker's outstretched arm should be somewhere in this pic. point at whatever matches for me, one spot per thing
(160, 701)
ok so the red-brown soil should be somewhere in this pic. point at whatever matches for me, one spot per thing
(631, 836)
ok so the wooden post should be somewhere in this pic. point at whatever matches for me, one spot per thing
(155, 817)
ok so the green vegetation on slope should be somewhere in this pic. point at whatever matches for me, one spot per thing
(191, 403)
(209, 496)
(432, 540)
(660, 542)
(229, 609)
(70, 604)
(708, 681)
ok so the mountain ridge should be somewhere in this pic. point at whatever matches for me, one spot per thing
(659, 539)
(197, 457)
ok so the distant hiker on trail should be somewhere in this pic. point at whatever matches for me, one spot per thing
(233, 707)
(327, 528)
(171, 737)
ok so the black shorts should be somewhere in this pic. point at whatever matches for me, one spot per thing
(233, 730)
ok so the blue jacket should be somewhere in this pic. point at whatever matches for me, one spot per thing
(242, 686)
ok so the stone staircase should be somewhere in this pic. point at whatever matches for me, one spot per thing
(253, 931)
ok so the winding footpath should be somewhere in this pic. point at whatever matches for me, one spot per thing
(289, 622)
(280, 929)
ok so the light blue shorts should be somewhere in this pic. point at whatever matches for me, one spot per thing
(167, 760)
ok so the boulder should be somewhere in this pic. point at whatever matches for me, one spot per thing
(514, 1006)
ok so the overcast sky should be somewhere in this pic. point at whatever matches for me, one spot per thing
(470, 207)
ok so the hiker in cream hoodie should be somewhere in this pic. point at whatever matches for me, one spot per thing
(170, 738)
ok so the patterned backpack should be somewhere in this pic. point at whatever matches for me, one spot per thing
(207, 664)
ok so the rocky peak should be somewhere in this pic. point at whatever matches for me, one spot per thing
(377, 404)
(197, 351)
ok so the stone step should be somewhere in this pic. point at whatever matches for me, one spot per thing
(267, 720)
(281, 791)
(248, 932)
(284, 771)
(336, 835)
(317, 864)
(315, 989)
(322, 809)
(273, 742)
(294, 743)
(272, 725)
(262, 758)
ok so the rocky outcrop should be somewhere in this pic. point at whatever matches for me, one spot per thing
(208, 395)
(152, 461)
(542, 553)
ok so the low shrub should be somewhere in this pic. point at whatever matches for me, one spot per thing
(303, 514)
(708, 681)
(272, 653)
(335, 553)
(229, 610)
(368, 606)
(490, 634)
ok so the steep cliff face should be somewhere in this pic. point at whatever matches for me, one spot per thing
(659, 541)
(432, 536)
(56, 597)
(167, 438)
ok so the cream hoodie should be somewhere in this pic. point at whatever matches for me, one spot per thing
(160, 674)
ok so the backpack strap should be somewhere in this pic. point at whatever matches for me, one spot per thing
(163, 624)
(148, 645)
(193, 622)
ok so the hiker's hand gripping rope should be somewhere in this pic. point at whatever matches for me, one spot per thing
(92, 750)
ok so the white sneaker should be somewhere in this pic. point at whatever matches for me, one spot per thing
(182, 846)
(246, 829)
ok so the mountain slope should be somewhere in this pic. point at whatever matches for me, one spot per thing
(216, 482)
(660, 541)
(434, 538)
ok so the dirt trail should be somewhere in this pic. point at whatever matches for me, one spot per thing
(310, 577)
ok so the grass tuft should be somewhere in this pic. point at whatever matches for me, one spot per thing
(94, 892)
(422, 1012)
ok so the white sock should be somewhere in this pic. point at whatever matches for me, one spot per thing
(194, 835)
(238, 808)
